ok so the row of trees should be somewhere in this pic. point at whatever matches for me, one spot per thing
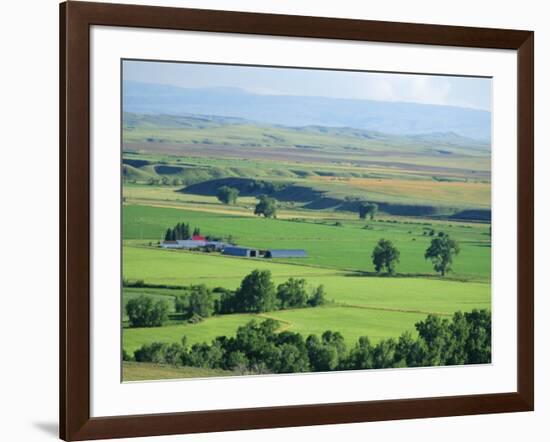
(259, 348)
(441, 252)
(180, 231)
(164, 181)
(257, 293)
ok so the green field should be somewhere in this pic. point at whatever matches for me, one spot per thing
(359, 305)
(346, 247)
(352, 322)
(405, 293)
(172, 166)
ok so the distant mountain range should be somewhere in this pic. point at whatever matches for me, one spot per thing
(395, 118)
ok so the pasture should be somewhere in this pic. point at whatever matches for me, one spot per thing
(344, 247)
(431, 295)
(378, 307)
(352, 322)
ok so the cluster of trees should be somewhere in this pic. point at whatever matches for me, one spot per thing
(259, 348)
(266, 206)
(442, 250)
(227, 195)
(196, 304)
(164, 181)
(264, 187)
(368, 210)
(144, 312)
(180, 231)
(257, 293)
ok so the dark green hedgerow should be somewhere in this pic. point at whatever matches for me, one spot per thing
(259, 348)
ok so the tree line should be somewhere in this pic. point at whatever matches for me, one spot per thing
(257, 347)
(256, 294)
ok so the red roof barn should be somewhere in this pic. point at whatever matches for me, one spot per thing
(198, 238)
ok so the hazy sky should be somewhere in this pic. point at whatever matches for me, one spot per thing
(444, 90)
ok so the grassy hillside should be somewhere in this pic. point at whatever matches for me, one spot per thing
(227, 131)
(410, 188)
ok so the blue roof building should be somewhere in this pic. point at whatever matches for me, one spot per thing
(240, 251)
(286, 253)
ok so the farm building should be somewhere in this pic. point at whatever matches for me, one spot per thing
(286, 253)
(170, 245)
(241, 251)
(218, 245)
(182, 244)
(198, 238)
(255, 253)
(192, 244)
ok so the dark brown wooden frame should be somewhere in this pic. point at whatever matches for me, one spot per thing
(75, 21)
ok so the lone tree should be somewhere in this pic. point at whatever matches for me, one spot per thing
(266, 206)
(368, 210)
(257, 292)
(227, 195)
(385, 256)
(441, 252)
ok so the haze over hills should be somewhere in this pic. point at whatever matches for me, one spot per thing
(217, 130)
(396, 118)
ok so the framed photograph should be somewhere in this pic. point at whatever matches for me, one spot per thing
(272, 221)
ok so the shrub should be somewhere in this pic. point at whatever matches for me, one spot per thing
(143, 312)
(227, 195)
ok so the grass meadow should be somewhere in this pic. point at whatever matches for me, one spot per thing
(345, 247)
(359, 305)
